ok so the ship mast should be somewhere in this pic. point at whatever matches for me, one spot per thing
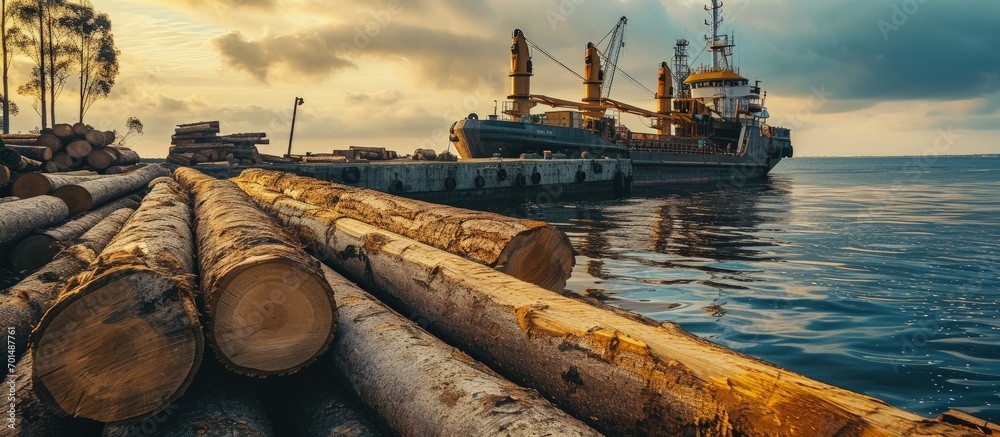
(719, 45)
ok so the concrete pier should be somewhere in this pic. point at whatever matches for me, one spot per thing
(466, 179)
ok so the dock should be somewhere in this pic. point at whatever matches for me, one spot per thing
(471, 179)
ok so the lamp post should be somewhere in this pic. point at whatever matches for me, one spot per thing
(295, 110)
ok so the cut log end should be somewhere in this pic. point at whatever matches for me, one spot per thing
(96, 351)
(279, 319)
(77, 198)
(542, 256)
(31, 185)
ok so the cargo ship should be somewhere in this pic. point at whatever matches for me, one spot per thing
(711, 126)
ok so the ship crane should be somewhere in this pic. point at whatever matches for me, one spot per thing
(611, 54)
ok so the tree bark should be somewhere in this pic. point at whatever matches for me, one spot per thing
(529, 250)
(32, 416)
(210, 127)
(36, 250)
(123, 339)
(384, 357)
(86, 195)
(31, 185)
(19, 218)
(22, 306)
(620, 375)
(268, 307)
(34, 152)
(217, 405)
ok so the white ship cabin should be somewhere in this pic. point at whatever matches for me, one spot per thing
(725, 91)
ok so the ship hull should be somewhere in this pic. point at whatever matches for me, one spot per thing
(754, 155)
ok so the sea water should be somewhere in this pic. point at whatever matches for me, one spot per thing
(878, 275)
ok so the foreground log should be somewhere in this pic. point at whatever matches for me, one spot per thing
(31, 185)
(123, 339)
(385, 357)
(13, 159)
(5, 175)
(86, 195)
(17, 219)
(28, 416)
(529, 250)
(22, 306)
(268, 307)
(620, 375)
(39, 248)
(216, 405)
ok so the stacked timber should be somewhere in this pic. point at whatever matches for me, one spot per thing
(200, 143)
(123, 339)
(64, 147)
(530, 250)
(621, 375)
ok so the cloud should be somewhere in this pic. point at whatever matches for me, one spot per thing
(302, 54)
(383, 97)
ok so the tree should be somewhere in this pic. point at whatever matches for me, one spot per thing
(31, 15)
(57, 49)
(134, 127)
(8, 34)
(93, 46)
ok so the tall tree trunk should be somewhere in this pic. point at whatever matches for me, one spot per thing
(41, 63)
(52, 67)
(6, 67)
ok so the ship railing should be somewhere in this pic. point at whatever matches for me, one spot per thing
(689, 146)
(710, 69)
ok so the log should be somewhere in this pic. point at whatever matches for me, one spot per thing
(22, 306)
(10, 157)
(51, 141)
(96, 139)
(6, 137)
(310, 404)
(86, 195)
(29, 185)
(125, 156)
(276, 159)
(620, 375)
(63, 131)
(198, 128)
(184, 159)
(325, 159)
(384, 357)
(38, 153)
(63, 160)
(530, 250)
(5, 175)
(268, 307)
(214, 123)
(79, 173)
(109, 137)
(50, 167)
(123, 339)
(36, 250)
(80, 130)
(101, 159)
(20, 141)
(17, 219)
(29, 416)
(9, 199)
(121, 169)
(79, 149)
(215, 405)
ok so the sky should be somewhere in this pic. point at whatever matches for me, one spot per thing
(849, 77)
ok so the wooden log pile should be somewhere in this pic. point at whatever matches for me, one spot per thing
(63, 148)
(201, 143)
(117, 339)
